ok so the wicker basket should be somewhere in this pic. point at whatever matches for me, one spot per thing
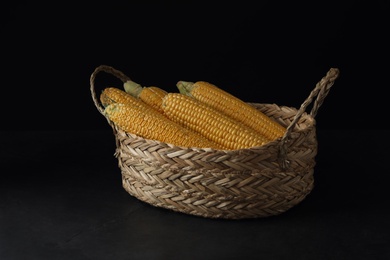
(248, 183)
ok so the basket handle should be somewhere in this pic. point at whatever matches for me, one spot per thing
(320, 91)
(107, 69)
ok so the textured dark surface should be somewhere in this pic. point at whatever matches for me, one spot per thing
(61, 198)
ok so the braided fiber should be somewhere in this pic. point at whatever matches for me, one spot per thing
(220, 184)
(231, 184)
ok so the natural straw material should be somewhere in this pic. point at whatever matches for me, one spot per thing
(236, 184)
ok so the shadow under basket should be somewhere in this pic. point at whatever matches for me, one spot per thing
(230, 184)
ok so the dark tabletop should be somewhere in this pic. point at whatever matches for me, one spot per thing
(61, 198)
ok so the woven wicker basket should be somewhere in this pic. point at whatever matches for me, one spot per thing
(247, 183)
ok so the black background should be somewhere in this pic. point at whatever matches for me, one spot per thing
(268, 52)
(60, 188)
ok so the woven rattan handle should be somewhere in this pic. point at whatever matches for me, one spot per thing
(320, 91)
(107, 69)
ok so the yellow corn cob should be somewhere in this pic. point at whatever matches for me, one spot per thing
(150, 95)
(150, 124)
(115, 95)
(112, 95)
(232, 106)
(211, 123)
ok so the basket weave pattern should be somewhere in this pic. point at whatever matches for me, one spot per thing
(247, 183)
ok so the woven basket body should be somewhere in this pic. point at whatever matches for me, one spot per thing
(247, 183)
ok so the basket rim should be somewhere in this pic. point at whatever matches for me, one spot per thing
(305, 117)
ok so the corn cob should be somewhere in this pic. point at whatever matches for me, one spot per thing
(115, 95)
(150, 95)
(232, 106)
(112, 95)
(211, 123)
(150, 124)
